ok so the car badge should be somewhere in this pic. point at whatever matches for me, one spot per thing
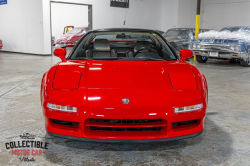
(125, 101)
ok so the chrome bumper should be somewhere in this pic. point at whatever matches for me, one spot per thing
(222, 54)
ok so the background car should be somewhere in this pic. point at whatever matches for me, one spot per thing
(160, 32)
(180, 38)
(72, 37)
(1, 44)
(230, 43)
(124, 85)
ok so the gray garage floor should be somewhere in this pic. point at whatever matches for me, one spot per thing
(225, 141)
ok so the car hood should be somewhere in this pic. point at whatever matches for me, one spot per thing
(218, 41)
(175, 39)
(66, 36)
(146, 84)
(123, 74)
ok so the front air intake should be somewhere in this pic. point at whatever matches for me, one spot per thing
(121, 128)
(185, 123)
(65, 123)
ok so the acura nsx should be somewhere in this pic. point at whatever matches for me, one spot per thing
(121, 85)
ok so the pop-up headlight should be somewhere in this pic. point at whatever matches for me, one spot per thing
(189, 108)
(62, 108)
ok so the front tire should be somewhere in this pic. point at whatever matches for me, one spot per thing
(245, 63)
(201, 59)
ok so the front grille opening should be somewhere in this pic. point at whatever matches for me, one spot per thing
(126, 121)
(66, 123)
(191, 122)
(126, 129)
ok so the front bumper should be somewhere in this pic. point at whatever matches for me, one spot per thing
(87, 111)
(221, 54)
(125, 141)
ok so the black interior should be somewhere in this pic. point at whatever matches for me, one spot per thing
(102, 48)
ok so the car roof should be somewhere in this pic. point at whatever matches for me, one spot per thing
(237, 27)
(185, 29)
(82, 27)
(125, 30)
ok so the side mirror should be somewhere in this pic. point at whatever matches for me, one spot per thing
(61, 53)
(185, 54)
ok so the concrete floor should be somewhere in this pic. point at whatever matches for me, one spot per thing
(225, 141)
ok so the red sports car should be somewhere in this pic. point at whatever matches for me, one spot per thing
(124, 85)
(71, 38)
(1, 44)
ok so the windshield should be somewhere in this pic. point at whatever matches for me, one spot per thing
(75, 30)
(123, 46)
(234, 29)
(177, 33)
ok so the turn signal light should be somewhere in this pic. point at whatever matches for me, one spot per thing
(62, 108)
(189, 108)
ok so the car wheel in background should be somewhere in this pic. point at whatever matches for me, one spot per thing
(245, 63)
(201, 59)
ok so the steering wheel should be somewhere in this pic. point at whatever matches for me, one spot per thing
(148, 50)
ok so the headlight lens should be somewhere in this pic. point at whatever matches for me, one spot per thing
(238, 48)
(235, 48)
(188, 108)
(231, 47)
(194, 45)
(62, 108)
(198, 46)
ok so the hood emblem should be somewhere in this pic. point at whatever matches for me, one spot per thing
(125, 101)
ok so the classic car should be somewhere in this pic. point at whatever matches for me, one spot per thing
(70, 38)
(180, 38)
(116, 87)
(1, 44)
(230, 43)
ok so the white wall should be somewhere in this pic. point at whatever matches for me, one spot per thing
(187, 13)
(66, 15)
(215, 14)
(140, 14)
(21, 26)
(221, 13)
(169, 14)
(144, 14)
(27, 28)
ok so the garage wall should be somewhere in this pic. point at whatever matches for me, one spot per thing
(215, 14)
(169, 14)
(140, 14)
(221, 13)
(21, 26)
(66, 15)
(187, 13)
(26, 28)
